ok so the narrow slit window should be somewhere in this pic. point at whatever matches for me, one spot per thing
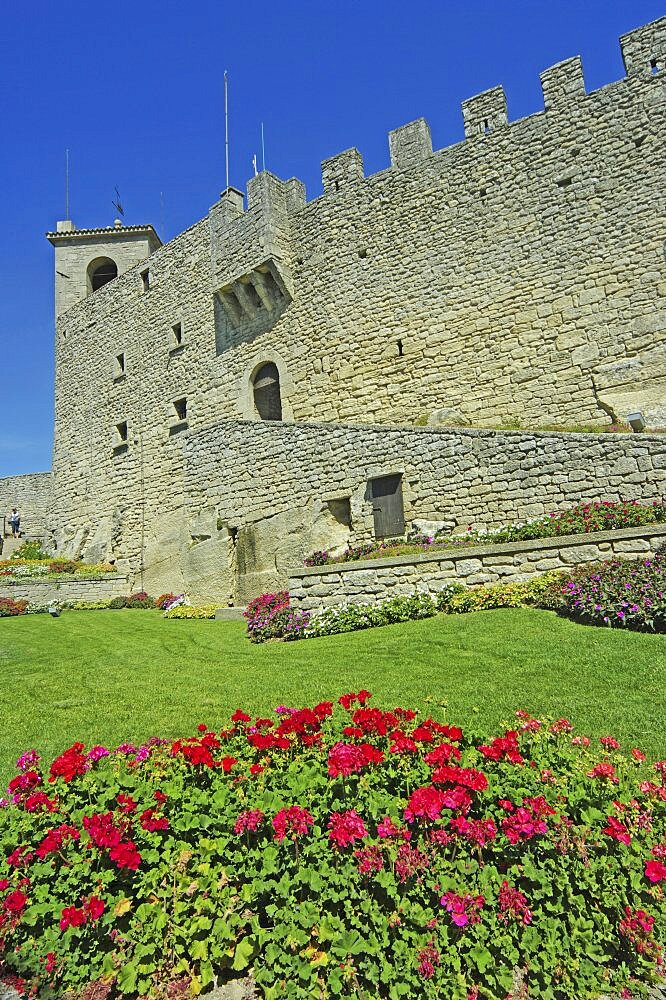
(654, 66)
(121, 432)
(180, 406)
(145, 279)
(177, 335)
(120, 364)
(400, 351)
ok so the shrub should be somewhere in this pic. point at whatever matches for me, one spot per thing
(102, 605)
(340, 850)
(163, 600)
(270, 616)
(618, 593)
(318, 558)
(10, 608)
(64, 566)
(186, 611)
(139, 600)
(351, 617)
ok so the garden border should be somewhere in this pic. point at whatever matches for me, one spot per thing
(317, 586)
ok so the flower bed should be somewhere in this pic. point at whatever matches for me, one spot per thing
(618, 593)
(18, 570)
(340, 850)
(602, 515)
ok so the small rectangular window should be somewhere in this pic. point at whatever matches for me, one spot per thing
(180, 406)
(120, 441)
(119, 367)
(145, 278)
(177, 335)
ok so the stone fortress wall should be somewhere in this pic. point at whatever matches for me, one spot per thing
(31, 495)
(516, 277)
(306, 486)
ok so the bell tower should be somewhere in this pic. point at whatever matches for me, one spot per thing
(88, 259)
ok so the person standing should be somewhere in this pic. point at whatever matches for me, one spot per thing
(15, 522)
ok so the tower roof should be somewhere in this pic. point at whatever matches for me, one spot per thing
(105, 232)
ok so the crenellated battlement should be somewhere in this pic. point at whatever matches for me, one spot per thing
(485, 116)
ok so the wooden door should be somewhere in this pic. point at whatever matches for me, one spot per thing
(387, 506)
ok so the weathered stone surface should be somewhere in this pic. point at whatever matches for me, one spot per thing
(425, 574)
(59, 591)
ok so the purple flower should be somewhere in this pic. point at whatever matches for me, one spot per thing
(29, 759)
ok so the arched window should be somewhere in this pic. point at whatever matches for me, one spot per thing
(266, 387)
(100, 272)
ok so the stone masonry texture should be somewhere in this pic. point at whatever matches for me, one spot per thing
(517, 277)
(31, 495)
(274, 487)
(376, 580)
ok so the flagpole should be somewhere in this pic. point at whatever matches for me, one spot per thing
(226, 125)
(67, 184)
(263, 150)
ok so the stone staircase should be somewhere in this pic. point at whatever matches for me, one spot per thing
(10, 545)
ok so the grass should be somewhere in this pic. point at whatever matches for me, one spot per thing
(110, 676)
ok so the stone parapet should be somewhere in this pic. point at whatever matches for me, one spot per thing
(508, 562)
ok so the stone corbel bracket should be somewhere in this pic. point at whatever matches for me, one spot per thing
(266, 289)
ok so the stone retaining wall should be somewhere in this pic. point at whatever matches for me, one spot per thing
(356, 582)
(47, 591)
(279, 487)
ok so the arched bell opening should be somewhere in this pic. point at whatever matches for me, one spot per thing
(100, 272)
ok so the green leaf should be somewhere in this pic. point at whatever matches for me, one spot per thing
(244, 953)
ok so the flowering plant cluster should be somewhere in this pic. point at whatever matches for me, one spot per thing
(600, 515)
(270, 616)
(187, 611)
(619, 593)
(20, 567)
(10, 608)
(339, 850)
(140, 600)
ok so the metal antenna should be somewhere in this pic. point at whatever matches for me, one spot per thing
(67, 184)
(263, 150)
(226, 125)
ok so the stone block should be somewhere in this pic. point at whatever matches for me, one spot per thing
(580, 554)
(632, 545)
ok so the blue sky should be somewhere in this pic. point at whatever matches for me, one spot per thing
(135, 91)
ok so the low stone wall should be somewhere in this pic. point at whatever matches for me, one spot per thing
(355, 582)
(47, 591)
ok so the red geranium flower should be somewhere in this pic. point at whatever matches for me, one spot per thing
(346, 827)
(15, 902)
(655, 871)
(291, 822)
(617, 831)
(126, 855)
(70, 764)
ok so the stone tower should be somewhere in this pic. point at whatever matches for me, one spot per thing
(86, 259)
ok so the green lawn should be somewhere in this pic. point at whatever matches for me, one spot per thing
(110, 676)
